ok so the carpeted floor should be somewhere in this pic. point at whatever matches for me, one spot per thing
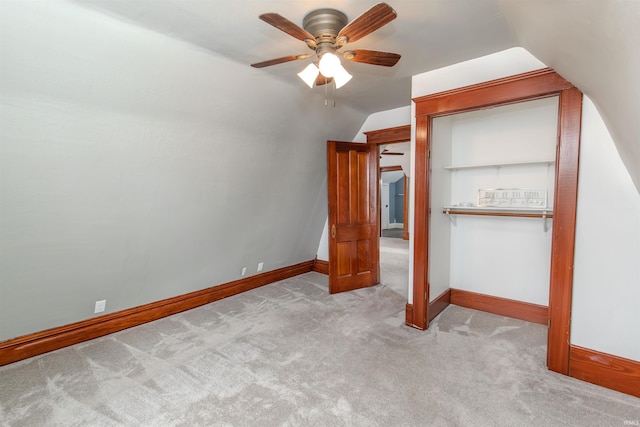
(291, 354)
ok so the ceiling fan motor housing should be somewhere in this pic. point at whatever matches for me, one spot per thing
(324, 24)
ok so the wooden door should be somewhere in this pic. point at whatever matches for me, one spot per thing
(353, 219)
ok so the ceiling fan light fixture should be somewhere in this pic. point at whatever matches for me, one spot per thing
(341, 77)
(329, 64)
(309, 74)
(325, 31)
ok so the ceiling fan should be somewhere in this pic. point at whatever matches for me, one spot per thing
(326, 31)
(386, 152)
(391, 153)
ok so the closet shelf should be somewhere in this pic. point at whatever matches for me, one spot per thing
(487, 211)
(497, 165)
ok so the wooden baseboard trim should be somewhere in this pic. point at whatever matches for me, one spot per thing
(501, 306)
(409, 315)
(605, 370)
(321, 266)
(439, 304)
(53, 339)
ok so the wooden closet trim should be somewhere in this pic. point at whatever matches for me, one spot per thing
(523, 87)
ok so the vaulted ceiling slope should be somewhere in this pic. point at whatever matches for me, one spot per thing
(592, 43)
(595, 44)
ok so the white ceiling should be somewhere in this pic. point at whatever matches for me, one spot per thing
(428, 35)
(592, 43)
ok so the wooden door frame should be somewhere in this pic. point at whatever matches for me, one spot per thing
(405, 200)
(523, 87)
(392, 135)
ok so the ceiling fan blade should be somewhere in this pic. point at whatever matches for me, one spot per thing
(279, 60)
(376, 17)
(322, 80)
(283, 24)
(373, 57)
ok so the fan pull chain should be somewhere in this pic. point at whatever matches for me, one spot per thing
(326, 101)
(333, 93)
(330, 101)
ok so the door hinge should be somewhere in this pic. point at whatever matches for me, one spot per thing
(428, 154)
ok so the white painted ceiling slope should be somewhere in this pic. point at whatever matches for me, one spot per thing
(592, 43)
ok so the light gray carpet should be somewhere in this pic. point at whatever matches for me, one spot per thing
(394, 264)
(291, 354)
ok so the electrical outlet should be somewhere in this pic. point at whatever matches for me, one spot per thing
(260, 265)
(100, 306)
(244, 270)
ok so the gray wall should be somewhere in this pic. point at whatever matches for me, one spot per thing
(136, 167)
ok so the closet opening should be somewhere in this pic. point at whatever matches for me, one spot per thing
(474, 190)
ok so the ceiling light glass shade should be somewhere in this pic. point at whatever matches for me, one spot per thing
(341, 77)
(309, 74)
(329, 64)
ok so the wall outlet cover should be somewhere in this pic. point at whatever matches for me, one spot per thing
(100, 306)
(260, 266)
